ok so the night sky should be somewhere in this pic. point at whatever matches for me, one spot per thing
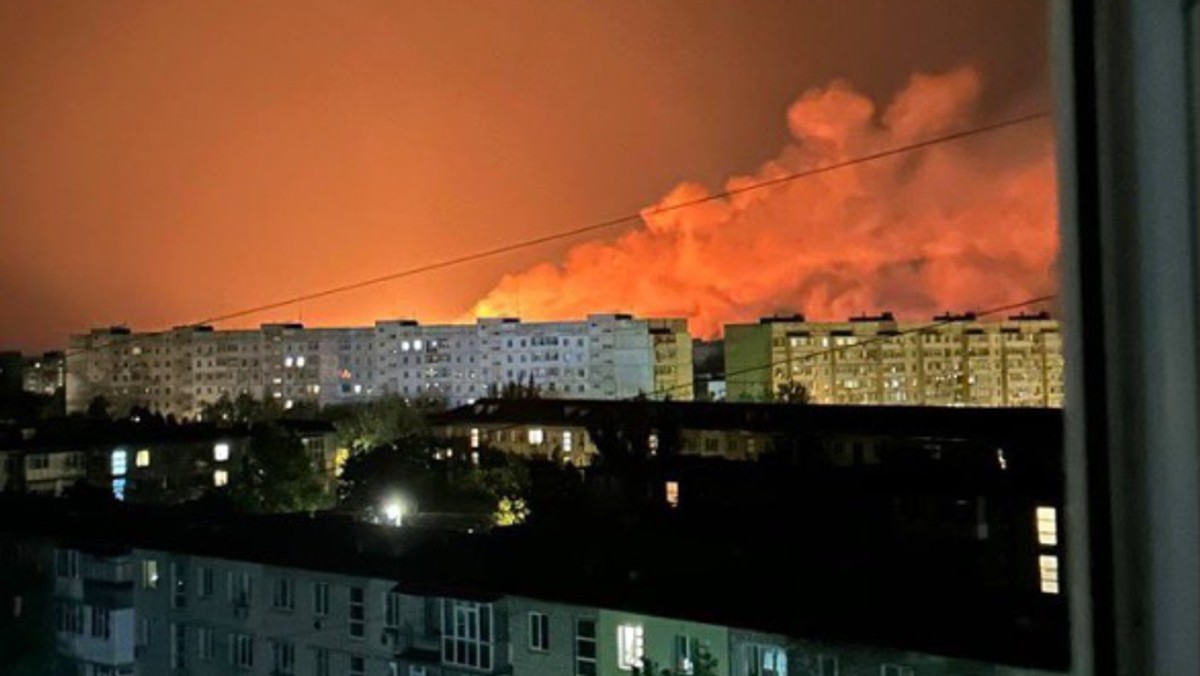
(164, 162)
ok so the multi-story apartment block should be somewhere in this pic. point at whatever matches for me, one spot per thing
(139, 611)
(958, 361)
(181, 371)
(45, 374)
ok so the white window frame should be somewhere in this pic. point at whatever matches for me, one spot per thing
(539, 631)
(631, 646)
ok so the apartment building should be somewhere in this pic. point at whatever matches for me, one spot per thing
(45, 374)
(142, 611)
(170, 464)
(181, 371)
(957, 361)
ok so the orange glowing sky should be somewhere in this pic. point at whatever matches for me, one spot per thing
(164, 162)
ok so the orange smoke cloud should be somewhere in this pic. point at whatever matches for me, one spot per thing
(962, 225)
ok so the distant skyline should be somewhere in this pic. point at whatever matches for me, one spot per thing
(168, 162)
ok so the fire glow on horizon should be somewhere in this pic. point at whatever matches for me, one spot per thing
(959, 226)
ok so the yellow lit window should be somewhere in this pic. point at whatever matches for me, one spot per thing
(221, 452)
(537, 436)
(220, 478)
(143, 458)
(1048, 572)
(673, 493)
(1047, 526)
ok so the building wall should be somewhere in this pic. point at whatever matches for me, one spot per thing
(569, 444)
(559, 658)
(814, 658)
(659, 640)
(181, 371)
(877, 360)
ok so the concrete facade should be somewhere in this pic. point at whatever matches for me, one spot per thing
(181, 371)
(876, 360)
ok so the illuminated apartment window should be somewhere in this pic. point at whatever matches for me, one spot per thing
(300, 362)
(119, 462)
(221, 452)
(631, 646)
(672, 493)
(474, 437)
(142, 459)
(568, 442)
(537, 436)
(220, 478)
(1047, 526)
(287, 362)
(287, 405)
(417, 344)
(1048, 572)
(685, 655)
(149, 574)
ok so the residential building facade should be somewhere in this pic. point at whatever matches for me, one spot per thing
(45, 374)
(141, 611)
(956, 361)
(181, 371)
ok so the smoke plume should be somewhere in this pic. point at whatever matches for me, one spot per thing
(957, 226)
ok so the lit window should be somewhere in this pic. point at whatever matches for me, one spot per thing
(149, 574)
(631, 647)
(120, 459)
(358, 389)
(287, 405)
(417, 344)
(221, 452)
(316, 389)
(652, 442)
(405, 345)
(537, 436)
(220, 478)
(143, 458)
(673, 493)
(287, 362)
(568, 442)
(118, 488)
(1047, 526)
(474, 437)
(1048, 571)
(300, 362)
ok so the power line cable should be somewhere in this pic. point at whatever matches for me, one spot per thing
(618, 221)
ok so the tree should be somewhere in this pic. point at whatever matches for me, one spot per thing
(377, 423)
(278, 475)
(792, 392)
(99, 408)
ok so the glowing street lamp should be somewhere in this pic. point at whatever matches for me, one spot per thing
(393, 512)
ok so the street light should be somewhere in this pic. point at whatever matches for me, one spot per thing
(393, 512)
